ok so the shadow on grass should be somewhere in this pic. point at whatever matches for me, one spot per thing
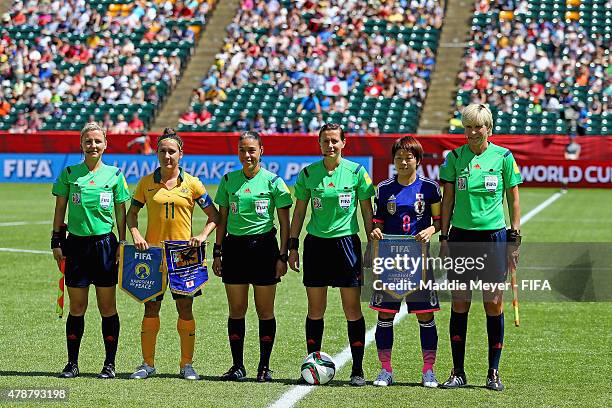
(284, 381)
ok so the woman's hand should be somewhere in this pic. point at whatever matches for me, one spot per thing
(198, 240)
(294, 260)
(58, 255)
(217, 266)
(425, 235)
(140, 243)
(376, 234)
(281, 269)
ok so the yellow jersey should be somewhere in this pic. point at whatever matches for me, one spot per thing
(169, 212)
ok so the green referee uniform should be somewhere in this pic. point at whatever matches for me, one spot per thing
(332, 249)
(250, 225)
(480, 182)
(251, 202)
(91, 197)
(334, 198)
(91, 246)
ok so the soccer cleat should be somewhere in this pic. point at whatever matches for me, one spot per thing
(429, 379)
(493, 381)
(264, 374)
(455, 380)
(70, 371)
(108, 371)
(234, 374)
(357, 380)
(144, 371)
(188, 373)
(384, 379)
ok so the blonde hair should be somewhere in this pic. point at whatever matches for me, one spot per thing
(92, 127)
(476, 115)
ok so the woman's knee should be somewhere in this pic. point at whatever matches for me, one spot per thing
(152, 309)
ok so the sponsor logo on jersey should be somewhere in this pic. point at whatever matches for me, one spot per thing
(331, 184)
(391, 205)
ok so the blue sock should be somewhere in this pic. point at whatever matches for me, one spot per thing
(429, 343)
(458, 331)
(384, 342)
(495, 332)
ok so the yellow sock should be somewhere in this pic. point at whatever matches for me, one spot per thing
(148, 338)
(186, 330)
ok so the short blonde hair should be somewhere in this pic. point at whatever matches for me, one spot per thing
(476, 115)
(92, 127)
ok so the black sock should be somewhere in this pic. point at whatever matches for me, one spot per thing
(314, 334)
(235, 331)
(75, 325)
(267, 332)
(110, 334)
(458, 330)
(356, 335)
(495, 332)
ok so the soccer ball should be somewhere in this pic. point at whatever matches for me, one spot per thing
(318, 368)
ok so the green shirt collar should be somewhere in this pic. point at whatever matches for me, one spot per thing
(157, 174)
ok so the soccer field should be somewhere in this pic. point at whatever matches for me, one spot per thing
(560, 356)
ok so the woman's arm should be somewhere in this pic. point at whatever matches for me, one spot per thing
(220, 234)
(514, 207)
(367, 213)
(132, 224)
(213, 218)
(297, 222)
(283, 220)
(61, 203)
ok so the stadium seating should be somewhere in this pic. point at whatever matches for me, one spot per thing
(159, 34)
(417, 34)
(587, 29)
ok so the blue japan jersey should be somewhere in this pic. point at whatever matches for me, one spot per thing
(405, 210)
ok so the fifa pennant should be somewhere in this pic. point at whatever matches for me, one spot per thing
(400, 262)
(187, 270)
(140, 274)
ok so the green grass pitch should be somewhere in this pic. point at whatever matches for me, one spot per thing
(560, 356)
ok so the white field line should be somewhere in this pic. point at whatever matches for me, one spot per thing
(540, 207)
(29, 251)
(296, 393)
(18, 223)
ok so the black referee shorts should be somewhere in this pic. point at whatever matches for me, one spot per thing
(487, 245)
(91, 260)
(332, 262)
(250, 259)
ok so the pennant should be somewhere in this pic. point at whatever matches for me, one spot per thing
(187, 270)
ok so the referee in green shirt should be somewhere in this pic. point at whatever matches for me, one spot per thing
(92, 192)
(476, 176)
(335, 187)
(246, 251)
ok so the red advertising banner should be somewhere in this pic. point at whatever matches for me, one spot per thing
(524, 147)
(545, 173)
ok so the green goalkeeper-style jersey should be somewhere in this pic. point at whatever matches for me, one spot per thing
(251, 202)
(91, 197)
(333, 198)
(480, 182)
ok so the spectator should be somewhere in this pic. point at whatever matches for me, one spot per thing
(315, 123)
(20, 125)
(259, 124)
(188, 118)
(310, 103)
(135, 125)
(142, 143)
(121, 127)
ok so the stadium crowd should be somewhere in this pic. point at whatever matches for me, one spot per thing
(316, 52)
(548, 62)
(88, 52)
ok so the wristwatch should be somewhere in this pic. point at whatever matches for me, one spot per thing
(283, 258)
(443, 237)
(123, 242)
